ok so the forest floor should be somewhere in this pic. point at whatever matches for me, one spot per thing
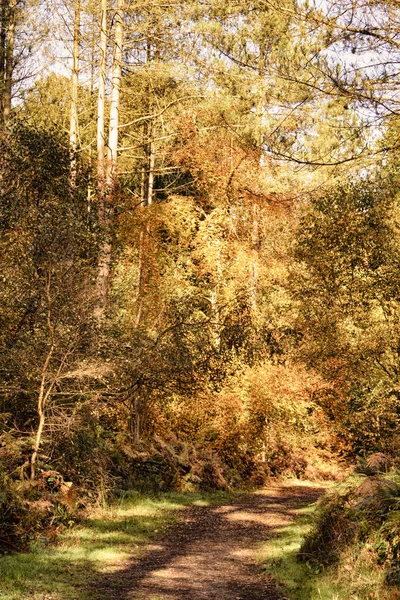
(211, 553)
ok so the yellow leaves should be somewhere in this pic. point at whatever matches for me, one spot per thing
(266, 404)
(179, 216)
(268, 399)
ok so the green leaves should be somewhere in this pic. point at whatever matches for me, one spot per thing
(347, 284)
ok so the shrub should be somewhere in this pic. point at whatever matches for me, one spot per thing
(367, 516)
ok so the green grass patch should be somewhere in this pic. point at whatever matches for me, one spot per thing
(356, 576)
(106, 539)
(301, 581)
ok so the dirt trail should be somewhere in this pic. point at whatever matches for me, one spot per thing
(210, 554)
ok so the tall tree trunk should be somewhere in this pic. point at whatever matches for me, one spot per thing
(112, 155)
(73, 129)
(9, 63)
(93, 66)
(101, 102)
(110, 185)
(147, 191)
(255, 206)
(3, 43)
(7, 41)
(151, 164)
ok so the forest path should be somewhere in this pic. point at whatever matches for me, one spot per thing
(210, 554)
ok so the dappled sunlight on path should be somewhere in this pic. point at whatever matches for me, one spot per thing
(211, 553)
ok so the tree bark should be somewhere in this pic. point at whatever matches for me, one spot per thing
(101, 102)
(110, 184)
(73, 129)
(7, 42)
(3, 42)
(147, 193)
(41, 409)
(112, 156)
(44, 393)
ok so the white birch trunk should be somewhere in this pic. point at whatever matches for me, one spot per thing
(112, 157)
(73, 129)
(8, 59)
(3, 42)
(101, 102)
(105, 257)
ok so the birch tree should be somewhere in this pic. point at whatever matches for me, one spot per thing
(73, 130)
(8, 18)
(101, 103)
(111, 169)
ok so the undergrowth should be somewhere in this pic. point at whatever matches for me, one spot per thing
(345, 547)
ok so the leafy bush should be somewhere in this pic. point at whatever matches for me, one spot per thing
(365, 515)
(333, 531)
(33, 512)
(174, 465)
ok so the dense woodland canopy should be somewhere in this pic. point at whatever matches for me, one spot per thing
(200, 217)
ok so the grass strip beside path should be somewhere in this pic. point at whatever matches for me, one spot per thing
(110, 536)
(356, 576)
(301, 581)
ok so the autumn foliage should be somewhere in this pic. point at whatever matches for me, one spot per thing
(249, 332)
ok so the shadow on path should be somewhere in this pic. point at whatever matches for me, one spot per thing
(210, 553)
